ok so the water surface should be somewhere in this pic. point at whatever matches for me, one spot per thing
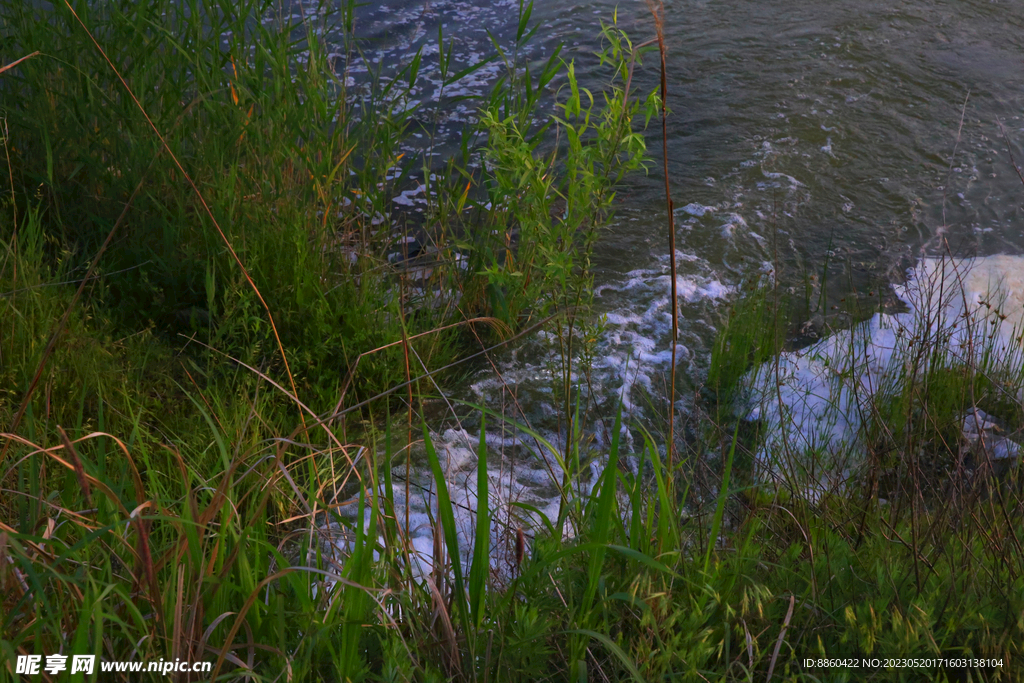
(812, 140)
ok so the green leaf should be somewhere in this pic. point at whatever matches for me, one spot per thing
(524, 19)
(414, 68)
(478, 571)
(447, 519)
(723, 493)
(614, 649)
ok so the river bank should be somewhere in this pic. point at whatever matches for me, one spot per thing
(303, 379)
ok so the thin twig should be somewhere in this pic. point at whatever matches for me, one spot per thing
(952, 160)
(71, 282)
(1009, 151)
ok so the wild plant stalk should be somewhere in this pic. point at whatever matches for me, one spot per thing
(658, 12)
(7, 154)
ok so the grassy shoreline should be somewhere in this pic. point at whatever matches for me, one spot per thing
(178, 477)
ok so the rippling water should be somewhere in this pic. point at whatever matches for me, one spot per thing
(805, 137)
(801, 134)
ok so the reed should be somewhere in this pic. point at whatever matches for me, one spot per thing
(657, 11)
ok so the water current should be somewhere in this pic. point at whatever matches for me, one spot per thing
(843, 141)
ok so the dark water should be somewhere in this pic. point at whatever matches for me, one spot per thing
(806, 138)
(858, 106)
(815, 138)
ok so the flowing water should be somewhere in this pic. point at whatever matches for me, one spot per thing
(841, 141)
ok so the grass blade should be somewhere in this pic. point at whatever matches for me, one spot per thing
(481, 546)
(447, 518)
(723, 494)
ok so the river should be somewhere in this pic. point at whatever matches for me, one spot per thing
(839, 140)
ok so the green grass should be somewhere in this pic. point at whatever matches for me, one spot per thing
(166, 495)
(640, 593)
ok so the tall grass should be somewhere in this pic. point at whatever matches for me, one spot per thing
(197, 573)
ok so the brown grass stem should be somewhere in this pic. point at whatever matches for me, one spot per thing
(658, 12)
(18, 61)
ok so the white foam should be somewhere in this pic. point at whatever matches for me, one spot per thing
(695, 209)
(530, 482)
(635, 346)
(812, 400)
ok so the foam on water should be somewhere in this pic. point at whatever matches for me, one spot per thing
(516, 475)
(635, 345)
(763, 151)
(632, 353)
(812, 400)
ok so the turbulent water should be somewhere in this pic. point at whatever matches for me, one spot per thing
(835, 142)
